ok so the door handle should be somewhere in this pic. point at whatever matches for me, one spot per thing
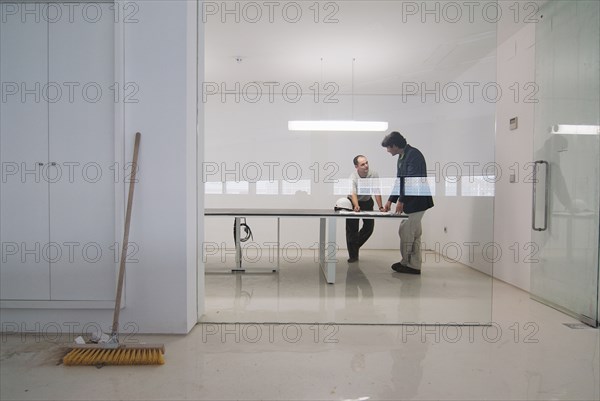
(546, 196)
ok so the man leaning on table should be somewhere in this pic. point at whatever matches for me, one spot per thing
(411, 163)
(361, 198)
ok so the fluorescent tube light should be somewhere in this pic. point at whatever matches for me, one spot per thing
(576, 129)
(337, 125)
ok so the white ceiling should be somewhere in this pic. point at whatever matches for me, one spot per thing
(390, 45)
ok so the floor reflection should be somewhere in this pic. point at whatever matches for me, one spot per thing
(366, 292)
(358, 288)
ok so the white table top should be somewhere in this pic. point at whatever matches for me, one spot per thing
(296, 213)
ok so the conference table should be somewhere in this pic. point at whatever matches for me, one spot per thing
(327, 230)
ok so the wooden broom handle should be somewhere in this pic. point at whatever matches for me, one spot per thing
(115, 325)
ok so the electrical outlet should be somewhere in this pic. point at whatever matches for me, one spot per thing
(446, 230)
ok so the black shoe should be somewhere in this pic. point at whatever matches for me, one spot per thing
(352, 260)
(400, 268)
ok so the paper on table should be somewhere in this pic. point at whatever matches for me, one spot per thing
(371, 213)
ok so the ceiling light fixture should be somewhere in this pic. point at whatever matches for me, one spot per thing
(338, 125)
(566, 129)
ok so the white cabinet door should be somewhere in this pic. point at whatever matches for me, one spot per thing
(24, 266)
(81, 143)
(57, 209)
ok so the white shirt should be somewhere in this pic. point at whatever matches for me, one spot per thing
(365, 187)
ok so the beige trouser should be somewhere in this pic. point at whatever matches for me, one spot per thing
(410, 240)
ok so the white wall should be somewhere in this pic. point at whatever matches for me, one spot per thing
(447, 133)
(161, 287)
(514, 153)
(195, 160)
(160, 44)
(159, 50)
(243, 139)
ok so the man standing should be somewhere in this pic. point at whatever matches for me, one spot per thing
(364, 185)
(411, 163)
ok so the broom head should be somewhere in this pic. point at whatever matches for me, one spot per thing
(121, 354)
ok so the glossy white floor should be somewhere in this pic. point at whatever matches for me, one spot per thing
(527, 353)
(366, 292)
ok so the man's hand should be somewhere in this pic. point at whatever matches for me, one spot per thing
(387, 206)
(399, 207)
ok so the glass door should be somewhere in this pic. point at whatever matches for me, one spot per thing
(567, 157)
(431, 77)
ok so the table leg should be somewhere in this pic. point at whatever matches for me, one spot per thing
(278, 244)
(327, 248)
(238, 246)
(331, 254)
(322, 241)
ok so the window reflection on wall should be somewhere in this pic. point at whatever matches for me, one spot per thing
(468, 185)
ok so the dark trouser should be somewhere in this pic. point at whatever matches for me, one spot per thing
(356, 238)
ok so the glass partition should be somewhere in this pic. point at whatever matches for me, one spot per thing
(567, 154)
(428, 69)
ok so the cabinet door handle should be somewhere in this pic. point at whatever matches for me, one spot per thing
(546, 197)
(53, 163)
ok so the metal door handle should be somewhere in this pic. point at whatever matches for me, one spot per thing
(546, 197)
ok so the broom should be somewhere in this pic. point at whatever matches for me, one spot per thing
(111, 352)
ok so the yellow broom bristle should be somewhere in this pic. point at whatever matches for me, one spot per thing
(114, 356)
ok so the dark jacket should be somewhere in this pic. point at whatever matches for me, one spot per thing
(412, 164)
